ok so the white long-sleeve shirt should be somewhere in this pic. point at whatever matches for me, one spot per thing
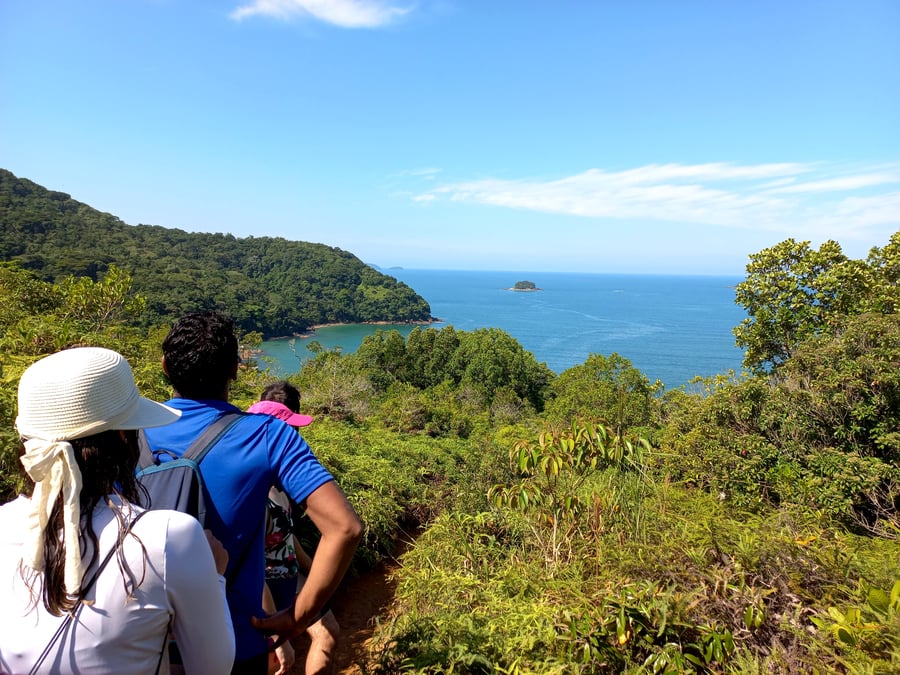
(113, 634)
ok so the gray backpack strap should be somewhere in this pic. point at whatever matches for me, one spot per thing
(210, 436)
(196, 450)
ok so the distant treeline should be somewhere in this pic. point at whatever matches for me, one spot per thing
(267, 284)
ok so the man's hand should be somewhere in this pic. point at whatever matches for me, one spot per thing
(280, 623)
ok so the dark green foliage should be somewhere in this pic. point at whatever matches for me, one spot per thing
(848, 387)
(817, 425)
(270, 285)
(428, 354)
(823, 435)
(490, 359)
(794, 293)
(788, 295)
(440, 380)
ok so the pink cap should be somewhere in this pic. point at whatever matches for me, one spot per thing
(282, 412)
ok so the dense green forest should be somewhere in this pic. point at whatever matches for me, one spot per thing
(591, 521)
(268, 285)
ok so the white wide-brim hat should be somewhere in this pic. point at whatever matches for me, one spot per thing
(83, 391)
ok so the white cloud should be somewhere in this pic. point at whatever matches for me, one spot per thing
(343, 13)
(843, 183)
(871, 211)
(805, 200)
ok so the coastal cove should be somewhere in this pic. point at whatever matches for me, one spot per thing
(670, 327)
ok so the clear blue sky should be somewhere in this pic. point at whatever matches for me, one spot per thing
(532, 135)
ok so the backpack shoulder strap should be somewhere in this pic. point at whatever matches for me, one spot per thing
(196, 450)
(146, 457)
(210, 436)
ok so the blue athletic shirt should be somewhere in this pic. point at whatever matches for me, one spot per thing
(257, 452)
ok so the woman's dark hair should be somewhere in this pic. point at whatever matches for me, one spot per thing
(107, 462)
(201, 353)
(285, 393)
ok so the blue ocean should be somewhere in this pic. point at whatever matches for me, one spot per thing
(672, 328)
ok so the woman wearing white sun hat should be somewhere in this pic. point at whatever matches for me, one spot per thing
(89, 582)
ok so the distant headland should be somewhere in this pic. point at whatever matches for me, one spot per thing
(524, 286)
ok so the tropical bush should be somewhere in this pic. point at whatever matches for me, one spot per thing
(485, 364)
(602, 569)
(607, 388)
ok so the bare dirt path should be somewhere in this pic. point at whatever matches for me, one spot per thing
(355, 605)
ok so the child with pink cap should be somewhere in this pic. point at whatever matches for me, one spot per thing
(286, 562)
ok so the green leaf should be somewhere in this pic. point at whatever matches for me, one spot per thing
(879, 600)
(696, 660)
(844, 635)
(836, 614)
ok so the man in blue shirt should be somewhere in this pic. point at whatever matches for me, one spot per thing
(200, 358)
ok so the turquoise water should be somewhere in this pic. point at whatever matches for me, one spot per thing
(670, 327)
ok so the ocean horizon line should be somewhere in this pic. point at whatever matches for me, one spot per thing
(387, 270)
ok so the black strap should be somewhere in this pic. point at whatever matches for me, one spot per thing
(162, 650)
(78, 603)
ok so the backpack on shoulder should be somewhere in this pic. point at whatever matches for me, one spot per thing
(177, 483)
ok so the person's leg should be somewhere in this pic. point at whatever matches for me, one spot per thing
(284, 592)
(323, 636)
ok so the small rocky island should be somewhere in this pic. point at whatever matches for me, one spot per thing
(524, 286)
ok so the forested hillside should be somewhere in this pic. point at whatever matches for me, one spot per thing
(270, 285)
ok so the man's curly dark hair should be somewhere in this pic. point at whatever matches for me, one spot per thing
(201, 355)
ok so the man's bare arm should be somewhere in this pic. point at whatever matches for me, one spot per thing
(341, 531)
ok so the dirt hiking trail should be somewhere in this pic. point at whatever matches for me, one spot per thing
(355, 605)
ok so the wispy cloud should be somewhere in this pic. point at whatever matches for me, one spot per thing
(815, 200)
(343, 13)
(426, 173)
(843, 183)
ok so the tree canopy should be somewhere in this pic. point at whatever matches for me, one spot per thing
(794, 293)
